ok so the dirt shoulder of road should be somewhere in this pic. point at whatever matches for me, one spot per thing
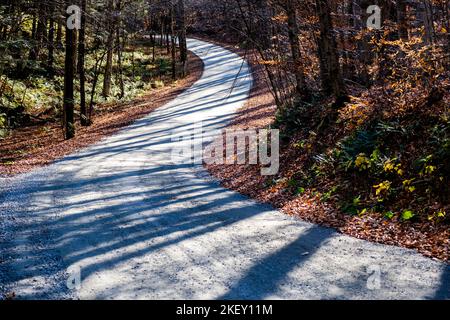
(259, 112)
(41, 144)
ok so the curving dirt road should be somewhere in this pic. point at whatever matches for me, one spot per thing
(137, 225)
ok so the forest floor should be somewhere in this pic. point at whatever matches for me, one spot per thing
(430, 239)
(40, 144)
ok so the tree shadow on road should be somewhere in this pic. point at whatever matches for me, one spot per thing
(443, 293)
(267, 275)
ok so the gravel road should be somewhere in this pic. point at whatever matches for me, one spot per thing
(132, 224)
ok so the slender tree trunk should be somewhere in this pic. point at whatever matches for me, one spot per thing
(294, 40)
(120, 47)
(75, 41)
(402, 20)
(32, 53)
(359, 12)
(427, 17)
(81, 65)
(173, 43)
(162, 31)
(168, 32)
(59, 33)
(51, 42)
(265, 17)
(153, 47)
(332, 80)
(447, 24)
(109, 57)
(69, 71)
(98, 63)
(181, 25)
(39, 35)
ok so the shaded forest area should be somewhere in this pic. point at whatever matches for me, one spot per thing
(60, 60)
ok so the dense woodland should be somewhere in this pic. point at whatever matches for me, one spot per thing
(363, 111)
(106, 50)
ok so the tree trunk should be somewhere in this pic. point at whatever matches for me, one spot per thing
(295, 48)
(153, 47)
(69, 71)
(402, 20)
(34, 26)
(59, 32)
(81, 65)
(109, 57)
(120, 47)
(332, 80)
(265, 17)
(359, 11)
(39, 35)
(168, 32)
(51, 43)
(181, 25)
(162, 32)
(173, 44)
(427, 17)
